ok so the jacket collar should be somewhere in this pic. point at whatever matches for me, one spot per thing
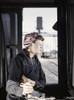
(26, 53)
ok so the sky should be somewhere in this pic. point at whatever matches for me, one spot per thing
(29, 22)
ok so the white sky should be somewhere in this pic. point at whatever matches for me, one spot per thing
(49, 17)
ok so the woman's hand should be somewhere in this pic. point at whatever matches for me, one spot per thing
(27, 88)
(31, 82)
(25, 79)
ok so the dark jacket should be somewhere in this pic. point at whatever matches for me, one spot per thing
(20, 65)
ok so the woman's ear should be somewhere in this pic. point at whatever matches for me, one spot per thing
(32, 44)
(29, 47)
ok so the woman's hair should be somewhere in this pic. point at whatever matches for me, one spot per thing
(39, 37)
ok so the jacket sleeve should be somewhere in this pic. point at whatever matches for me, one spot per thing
(40, 84)
(14, 74)
(13, 88)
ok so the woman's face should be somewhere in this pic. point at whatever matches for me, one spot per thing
(36, 47)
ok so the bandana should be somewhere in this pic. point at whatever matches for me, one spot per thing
(29, 38)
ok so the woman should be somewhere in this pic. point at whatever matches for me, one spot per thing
(25, 72)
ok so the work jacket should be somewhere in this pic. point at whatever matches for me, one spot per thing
(20, 65)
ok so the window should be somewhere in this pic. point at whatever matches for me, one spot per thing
(41, 20)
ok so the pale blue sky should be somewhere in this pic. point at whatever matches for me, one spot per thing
(49, 17)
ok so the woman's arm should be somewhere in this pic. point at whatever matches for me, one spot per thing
(13, 88)
(40, 84)
(14, 76)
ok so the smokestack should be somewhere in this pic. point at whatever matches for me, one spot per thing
(39, 24)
